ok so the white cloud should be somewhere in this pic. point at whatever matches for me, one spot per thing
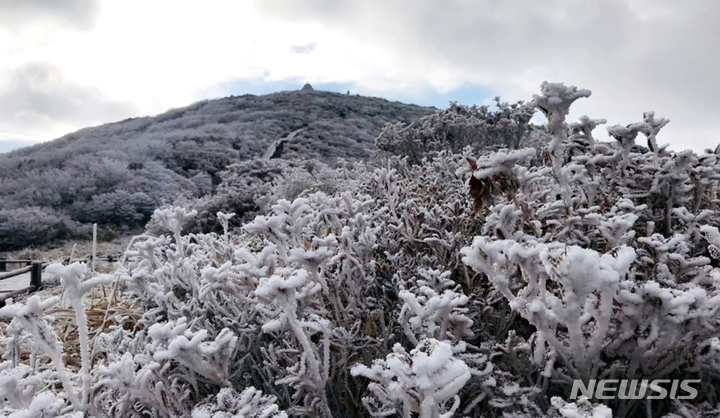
(636, 55)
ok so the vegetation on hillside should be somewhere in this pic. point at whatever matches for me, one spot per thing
(466, 283)
(117, 174)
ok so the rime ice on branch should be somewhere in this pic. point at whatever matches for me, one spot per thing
(555, 103)
(425, 381)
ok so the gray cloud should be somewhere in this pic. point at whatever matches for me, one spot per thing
(37, 97)
(635, 55)
(16, 15)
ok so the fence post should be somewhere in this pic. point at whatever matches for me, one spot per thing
(94, 249)
(36, 274)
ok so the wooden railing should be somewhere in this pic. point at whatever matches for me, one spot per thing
(33, 267)
(5, 263)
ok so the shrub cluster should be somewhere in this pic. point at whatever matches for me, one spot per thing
(468, 284)
(453, 129)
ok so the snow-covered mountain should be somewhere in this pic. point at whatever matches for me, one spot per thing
(117, 174)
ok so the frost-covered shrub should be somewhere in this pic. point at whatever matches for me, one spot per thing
(608, 256)
(71, 278)
(45, 405)
(251, 187)
(30, 318)
(457, 127)
(304, 288)
(427, 313)
(28, 226)
(581, 409)
(425, 381)
(250, 403)
(586, 284)
(121, 208)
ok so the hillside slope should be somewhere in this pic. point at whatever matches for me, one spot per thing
(117, 174)
(336, 125)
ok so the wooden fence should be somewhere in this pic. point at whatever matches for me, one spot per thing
(32, 266)
(35, 268)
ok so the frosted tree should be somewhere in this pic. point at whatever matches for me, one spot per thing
(496, 173)
(705, 177)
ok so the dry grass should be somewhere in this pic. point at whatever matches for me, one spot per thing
(62, 319)
(66, 327)
(100, 316)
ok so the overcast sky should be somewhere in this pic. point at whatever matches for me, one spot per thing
(67, 64)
